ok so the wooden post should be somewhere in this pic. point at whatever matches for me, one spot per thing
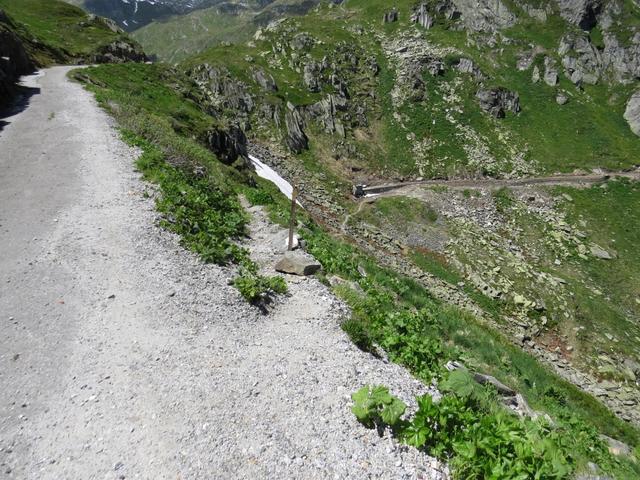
(292, 222)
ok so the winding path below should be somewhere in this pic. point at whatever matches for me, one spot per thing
(123, 356)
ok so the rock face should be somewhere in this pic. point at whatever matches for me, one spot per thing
(223, 91)
(228, 144)
(120, 52)
(390, 17)
(632, 113)
(14, 60)
(550, 72)
(265, 80)
(296, 140)
(582, 13)
(297, 263)
(484, 15)
(498, 101)
(422, 17)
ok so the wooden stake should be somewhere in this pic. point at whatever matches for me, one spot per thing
(292, 223)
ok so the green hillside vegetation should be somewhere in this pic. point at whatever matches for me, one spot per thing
(588, 132)
(552, 272)
(57, 32)
(176, 38)
(156, 106)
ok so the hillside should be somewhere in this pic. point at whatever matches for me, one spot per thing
(468, 173)
(37, 33)
(175, 38)
(444, 91)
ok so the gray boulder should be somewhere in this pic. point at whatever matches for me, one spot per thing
(499, 386)
(550, 72)
(498, 101)
(561, 98)
(582, 62)
(485, 15)
(466, 65)
(297, 263)
(582, 13)
(311, 76)
(265, 80)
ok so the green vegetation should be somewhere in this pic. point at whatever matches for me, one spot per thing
(480, 439)
(57, 32)
(419, 332)
(198, 193)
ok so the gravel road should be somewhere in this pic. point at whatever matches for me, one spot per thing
(123, 356)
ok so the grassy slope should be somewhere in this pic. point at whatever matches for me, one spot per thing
(57, 31)
(152, 101)
(174, 39)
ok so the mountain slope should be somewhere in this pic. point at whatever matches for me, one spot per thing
(36, 33)
(175, 38)
(361, 93)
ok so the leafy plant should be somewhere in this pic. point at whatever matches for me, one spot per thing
(375, 407)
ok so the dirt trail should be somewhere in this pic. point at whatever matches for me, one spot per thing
(123, 356)
(398, 189)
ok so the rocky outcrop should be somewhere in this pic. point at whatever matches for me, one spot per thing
(14, 60)
(582, 62)
(222, 90)
(325, 112)
(390, 17)
(229, 144)
(550, 72)
(120, 51)
(265, 80)
(296, 139)
(311, 76)
(422, 17)
(582, 13)
(466, 65)
(484, 15)
(632, 113)
(498, 101)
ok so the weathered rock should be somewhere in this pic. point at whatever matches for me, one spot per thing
(484, 15)
(498, 101)
(296, 139)
(228, 144)
(582, 13)
(265, 80)
(422, 17)
(535, 75)
(582, 62)
(632, 113)
(616, 447)
(120, 51)
(561, 98)
(297, 263)
(390, 17)
(466, 65)
(311, 76)
(499, 386)
(302, 41)
(599, 252)
(224, 92)
(550, 72)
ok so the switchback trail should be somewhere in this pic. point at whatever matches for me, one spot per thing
(123, 356)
